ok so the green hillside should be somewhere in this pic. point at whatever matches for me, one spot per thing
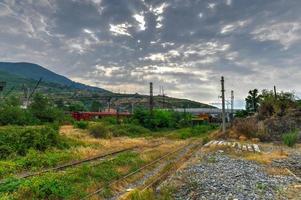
(90, 100)
(35, 72)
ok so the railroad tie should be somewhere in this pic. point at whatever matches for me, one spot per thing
(209, 143)
(250, 148)
(256, 148)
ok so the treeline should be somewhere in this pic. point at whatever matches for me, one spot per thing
(270, 116)
(159, 119)
(40, 111)
(267, 104)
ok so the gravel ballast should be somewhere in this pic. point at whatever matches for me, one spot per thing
(218, 176)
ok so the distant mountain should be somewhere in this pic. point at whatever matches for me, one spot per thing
(35, 72)
(17, 83)
(57, 87)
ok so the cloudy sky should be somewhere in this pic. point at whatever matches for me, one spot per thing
(183, 45)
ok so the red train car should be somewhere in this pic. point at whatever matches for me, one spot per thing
(97, 115)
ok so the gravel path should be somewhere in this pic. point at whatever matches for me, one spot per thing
(219, 176)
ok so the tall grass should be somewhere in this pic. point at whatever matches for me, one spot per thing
(290, 139)
(16, 140)
(74, 182)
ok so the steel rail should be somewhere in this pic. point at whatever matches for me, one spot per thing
(73, 164)
(135, 172)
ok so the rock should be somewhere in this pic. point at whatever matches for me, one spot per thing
(250, 148)
(255, 140)
(256, 148)
(242, 138)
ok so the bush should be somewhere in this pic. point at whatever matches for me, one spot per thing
(5, 151)
(100, 130)
(205, 140)
(44, 110)
(161, 119)
(35, 159)
(129, 130)
(290, 139)
(81, 124)
(247, 126)
(202, 129)
(18, 140)
(14, 115)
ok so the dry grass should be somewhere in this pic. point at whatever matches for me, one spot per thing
(94, 146)
(293, 192)
(148, 156)
(265, 158)
(276, 171)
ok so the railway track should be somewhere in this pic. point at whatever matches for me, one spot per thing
(79, 162)
(152, 163)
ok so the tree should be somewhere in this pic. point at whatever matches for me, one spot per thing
(77, 106)
(252, 101)
(279, 104)
(95, 106)
(44, 110)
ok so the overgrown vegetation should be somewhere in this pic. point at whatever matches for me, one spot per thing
(40, 111)
(107, 130)
(18, 141)
(81, 124)
(290, 139)
(268, 115)
(159, 119)
(164, 194)
(73, 183)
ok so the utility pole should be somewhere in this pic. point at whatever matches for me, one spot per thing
(223, 105)
(275, 92)
(151, 98)
(2, 86)
(163, 97)
(232, 105)
(109, 104)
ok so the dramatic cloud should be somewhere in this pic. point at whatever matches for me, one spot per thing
(183, 45)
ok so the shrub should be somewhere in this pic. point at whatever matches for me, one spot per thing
(44, 110)
(109, 120)
(14, 115)
(36, 160)
(205, 140)
(5, 151)
(100, 130)
(160, 119)
(202, 129)
(290, 139)
(19, 140)
(247, 126)
(81, 124)
(129, 130)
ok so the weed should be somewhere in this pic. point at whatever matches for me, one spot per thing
(149, 194)
(35, 160)
(18, 140)
(100, 130)
(81, 124)
(205, 140)
(261, 186)
(72, 183)
(211, 159)
(290, 139)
